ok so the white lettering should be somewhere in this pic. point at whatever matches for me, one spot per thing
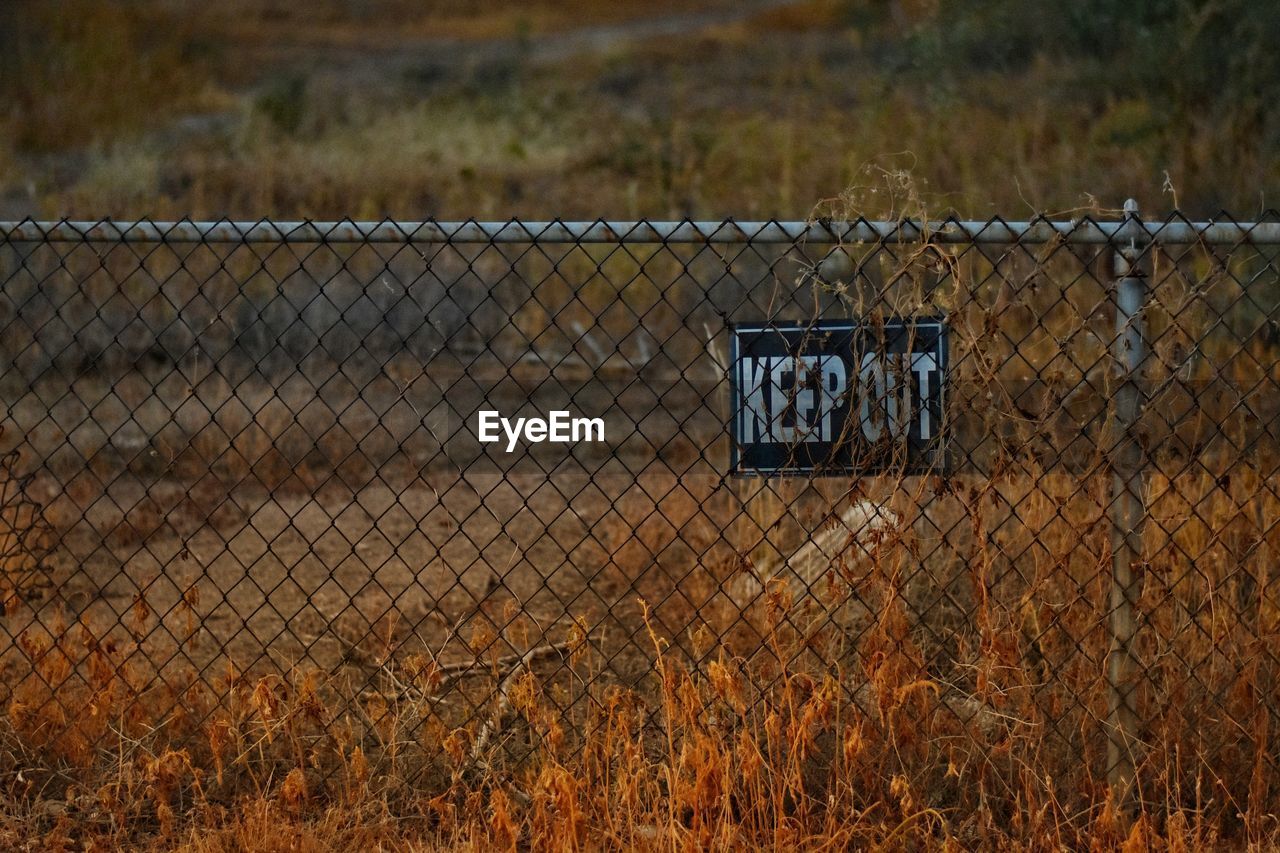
(755, 425)
(834, 382)
(559, 427)
(788, 399)
(487, 426)
(589, 427)
(898, 396)
(558, 432)
(825, 398)
(806, 369)
(922, 364)
(513, 433)
(778, 399)
(871, 390)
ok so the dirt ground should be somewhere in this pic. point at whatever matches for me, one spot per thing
(341, 556)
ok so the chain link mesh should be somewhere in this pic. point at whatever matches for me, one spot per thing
(243, 468)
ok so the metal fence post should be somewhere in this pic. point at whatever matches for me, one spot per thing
(1128, 509)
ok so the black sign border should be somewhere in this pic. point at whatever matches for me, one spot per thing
(941, 462)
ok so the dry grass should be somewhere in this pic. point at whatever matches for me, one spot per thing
(961, 707)
(332, 23)
(327, 114)
(78, 72)
(957, 700)
(791, 731)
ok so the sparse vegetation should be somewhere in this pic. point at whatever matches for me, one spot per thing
(957, 701)
(759, 115)
(941, 687)
(771, 749)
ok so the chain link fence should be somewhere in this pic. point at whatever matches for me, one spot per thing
(243, 466)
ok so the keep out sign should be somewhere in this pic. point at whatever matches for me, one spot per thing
(838, 397)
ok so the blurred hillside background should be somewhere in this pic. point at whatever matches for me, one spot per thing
(577, 109)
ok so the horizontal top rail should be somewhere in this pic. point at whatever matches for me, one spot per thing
(1039, 231)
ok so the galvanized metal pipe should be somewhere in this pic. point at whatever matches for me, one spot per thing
(1128, 506)
(1084, 232)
